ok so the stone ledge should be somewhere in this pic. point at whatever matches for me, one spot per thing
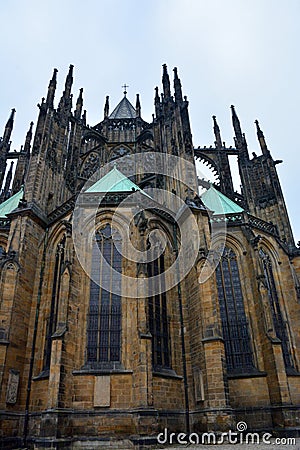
(256, 374)
(166, 373)
(102, 372)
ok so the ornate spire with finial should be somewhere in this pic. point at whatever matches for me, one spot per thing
(166, 82)
(240, 139)
(138, 106)
(51, 89)
(69, 82)
(8, 180)
(79, 104)
(9, 127)
(236, 125)
(261, 139)
(177, 86)
(157, 102)
(65, 102)
(28, 138)
(156, 98)
(106, 107)
(218, 141)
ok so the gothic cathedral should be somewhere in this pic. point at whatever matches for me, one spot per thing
(135, 295)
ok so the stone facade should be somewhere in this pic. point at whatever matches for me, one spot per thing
(174, 368)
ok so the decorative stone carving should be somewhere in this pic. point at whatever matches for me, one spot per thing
(12, 386)
(90, 165)
(52, 157)
(199, 385)
(118, 152)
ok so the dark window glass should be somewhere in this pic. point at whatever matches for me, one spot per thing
(52, 318)
(157, 314)
(239, 357)
(104, 318)
(279, 324)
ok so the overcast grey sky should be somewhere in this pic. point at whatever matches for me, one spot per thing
(241, 52)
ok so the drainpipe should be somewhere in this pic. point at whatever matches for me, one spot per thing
(37, 311)
(185, 380)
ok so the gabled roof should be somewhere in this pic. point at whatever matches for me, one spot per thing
(11, 203)
(219, 203)
(115, 181)
(124, 110)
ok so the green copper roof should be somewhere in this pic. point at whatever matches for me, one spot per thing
(114, 181)
(219, 203)
(124, 110)
(11, 203)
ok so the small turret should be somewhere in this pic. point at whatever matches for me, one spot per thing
(157, 102)
(65, 102)
(240, 139)
(51, 90)
(138, 106)
(5, 145)
(9, 127)
(6, 190)
(166, 82)
(28, 139)
(236, 125)
(177, 87)
(218, 141)
(23, 162)
(106, 107)
(69, 82)
(79, 104)
(261, 140)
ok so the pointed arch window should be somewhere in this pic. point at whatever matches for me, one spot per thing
(104, 318)
(53, 314)
(279, 323)
(239, 356)
(157, 312)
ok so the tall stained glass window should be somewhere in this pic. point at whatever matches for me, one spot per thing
(157, 313)
(53, 313)
(104, 317)
(239, 357)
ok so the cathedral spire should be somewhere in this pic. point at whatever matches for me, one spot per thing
(28, 139)
(166, 82)
(9, 127)
(177, 86)
(261, 139)
(157, 102)
(79, 104)
(236, 125)
(106, 107)
(218, 141)
(240, 139)
(69, 82)
(8, 181)
(138, 106)
(65, 102)
(51, 89)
